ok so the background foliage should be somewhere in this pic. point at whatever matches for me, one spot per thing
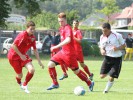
(80, 9)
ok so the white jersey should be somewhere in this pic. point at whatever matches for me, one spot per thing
(114, 39)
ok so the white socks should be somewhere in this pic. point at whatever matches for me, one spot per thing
(108, 86)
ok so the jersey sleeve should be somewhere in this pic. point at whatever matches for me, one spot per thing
(121, 40)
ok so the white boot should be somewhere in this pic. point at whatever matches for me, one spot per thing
(25, 88)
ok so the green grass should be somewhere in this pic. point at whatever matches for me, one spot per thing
(9, 89)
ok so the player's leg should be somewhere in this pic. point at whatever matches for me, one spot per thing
(55, 60)
(105, 68)
(53, 75)
(114, 73)
(127, 53)
(29, 66)
(65, 75)
(80, 58)
(18, 78)
(130, 54)
(125, 57)
(86, 69)
(84, 78)
(18, 69)
(109, 85)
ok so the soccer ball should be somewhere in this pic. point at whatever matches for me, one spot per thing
(79, 90)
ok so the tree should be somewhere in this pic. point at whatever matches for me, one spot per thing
(50, 20)
(124, 3)
(32, 6)
(4, 11)
(109, 8)
(73, 14)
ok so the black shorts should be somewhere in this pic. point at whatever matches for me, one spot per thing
(111, 66)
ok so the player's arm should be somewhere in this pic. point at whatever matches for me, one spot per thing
(66, 41)
(103, 51)
(79, 37)
(122, 42)
(38, 58)
(77, 40)
(102, 48)
(119, 48)
(23, 57)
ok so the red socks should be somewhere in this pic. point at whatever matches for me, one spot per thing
(28, 78)
(63, 69)
(18, 80)
(53, 75)
(86, 69)
(84, 77)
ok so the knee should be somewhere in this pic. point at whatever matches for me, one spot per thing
(111, 79)
(32, 70)
(76, 71)
(51, 64)
(102, 76)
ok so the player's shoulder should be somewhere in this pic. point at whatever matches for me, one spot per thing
(101, 36)
(78, 30)
(118, 35)
(21, 34)
(68, 27)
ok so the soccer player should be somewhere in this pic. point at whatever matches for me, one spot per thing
(18, 58)
(111, 45)
(55, 40)
(66, 55)
(129, 47)
(77, 35)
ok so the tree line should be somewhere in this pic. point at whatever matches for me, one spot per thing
(44, 12)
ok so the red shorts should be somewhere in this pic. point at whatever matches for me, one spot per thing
(54, 51)
(19, 64)
(80, 57)
(69, 61)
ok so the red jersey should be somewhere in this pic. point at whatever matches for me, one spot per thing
(64, 33)
(77, 34)
(23, 42)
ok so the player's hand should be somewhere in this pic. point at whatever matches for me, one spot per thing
(103, 52)
(52, 48)
(114, 48)
(40, 63)
(23, 57)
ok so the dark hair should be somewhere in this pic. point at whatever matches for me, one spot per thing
(129, 34)
(106, 25)
(30, 23)
(62, 15)
(75, 20)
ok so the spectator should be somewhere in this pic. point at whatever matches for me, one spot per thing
(14, 35)
(129, 47)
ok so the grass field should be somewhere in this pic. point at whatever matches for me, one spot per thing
(9, 90)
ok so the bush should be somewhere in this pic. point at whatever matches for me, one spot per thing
(85, 47)
(95, 50)
(90, 49)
